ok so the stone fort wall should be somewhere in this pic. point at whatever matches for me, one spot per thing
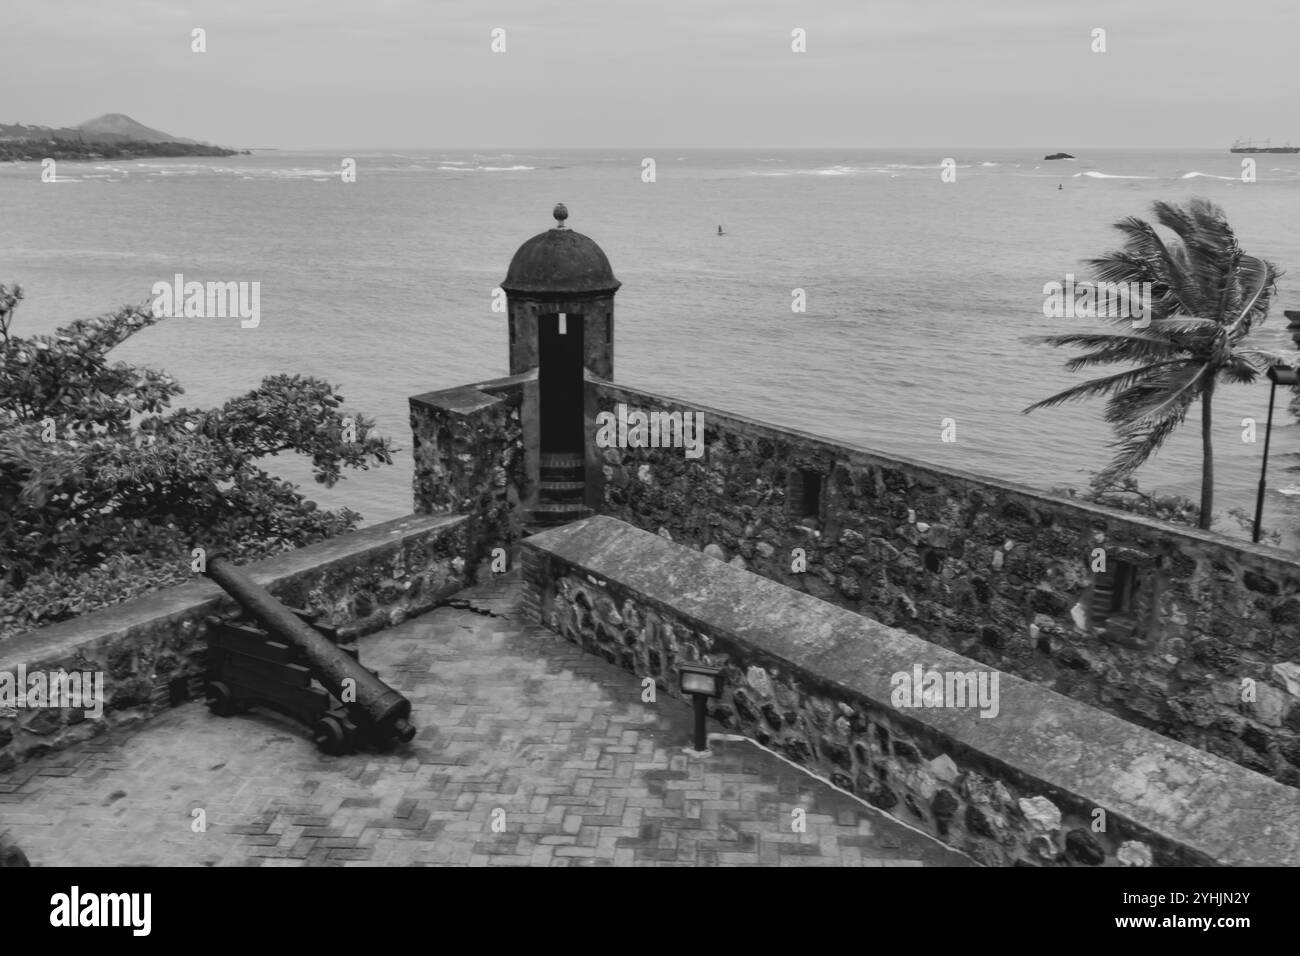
(1185, 633)
(1035, 779)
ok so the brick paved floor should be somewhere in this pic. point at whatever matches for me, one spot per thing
(529, 752)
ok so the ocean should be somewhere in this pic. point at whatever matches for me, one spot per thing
(920, 294)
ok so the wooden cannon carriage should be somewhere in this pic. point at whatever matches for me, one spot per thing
(279, 657)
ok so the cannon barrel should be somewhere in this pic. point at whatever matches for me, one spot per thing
(376, 703)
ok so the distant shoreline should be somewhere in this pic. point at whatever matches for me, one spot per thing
(65, 151)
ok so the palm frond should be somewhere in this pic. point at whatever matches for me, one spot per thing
(1210, 246)
(1135, 446)
(1092, 340)
(1182, 324)
(1097, 387)
(1239, 373)
(1159, 396)
(1124, 353)
(1263, 358)
(1122, 265)
(1249, 300)
(1153, 261)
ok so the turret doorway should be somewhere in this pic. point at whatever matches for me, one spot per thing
(560, 383)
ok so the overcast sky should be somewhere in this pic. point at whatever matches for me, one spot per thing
(691, 73)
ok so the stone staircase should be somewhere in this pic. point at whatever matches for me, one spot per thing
(560, 492)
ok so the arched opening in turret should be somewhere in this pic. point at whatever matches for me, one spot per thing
(559, 380)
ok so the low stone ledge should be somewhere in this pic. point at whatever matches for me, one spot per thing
(467, 399)
(151, 650)
(1047, 780)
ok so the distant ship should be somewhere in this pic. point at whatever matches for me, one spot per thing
(1246, 147)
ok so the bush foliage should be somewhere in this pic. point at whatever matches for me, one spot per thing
(105, 488)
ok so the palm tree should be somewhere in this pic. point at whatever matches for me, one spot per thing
(1206, 296)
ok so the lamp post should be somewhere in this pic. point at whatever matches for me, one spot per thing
(701, 681)
(1278, 375)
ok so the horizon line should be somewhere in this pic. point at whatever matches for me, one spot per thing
(518, 148)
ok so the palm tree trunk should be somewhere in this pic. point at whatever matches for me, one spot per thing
(1207, 459)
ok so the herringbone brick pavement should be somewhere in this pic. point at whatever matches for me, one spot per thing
(529, 752)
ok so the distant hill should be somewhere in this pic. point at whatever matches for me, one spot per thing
(119, 126)
(111, 136)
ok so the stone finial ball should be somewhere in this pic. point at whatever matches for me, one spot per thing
(560, 213)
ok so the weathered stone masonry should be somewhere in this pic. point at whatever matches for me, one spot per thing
(152, 650)
(471, 448)
(812, 681)
(1184, 633)
(995, 571)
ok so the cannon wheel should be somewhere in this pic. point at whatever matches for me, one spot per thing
(330, 735)
(220, 699)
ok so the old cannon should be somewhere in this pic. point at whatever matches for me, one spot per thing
(276, 666)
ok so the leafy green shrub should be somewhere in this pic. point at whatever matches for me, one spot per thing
(1125, 495)
(104, 488)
